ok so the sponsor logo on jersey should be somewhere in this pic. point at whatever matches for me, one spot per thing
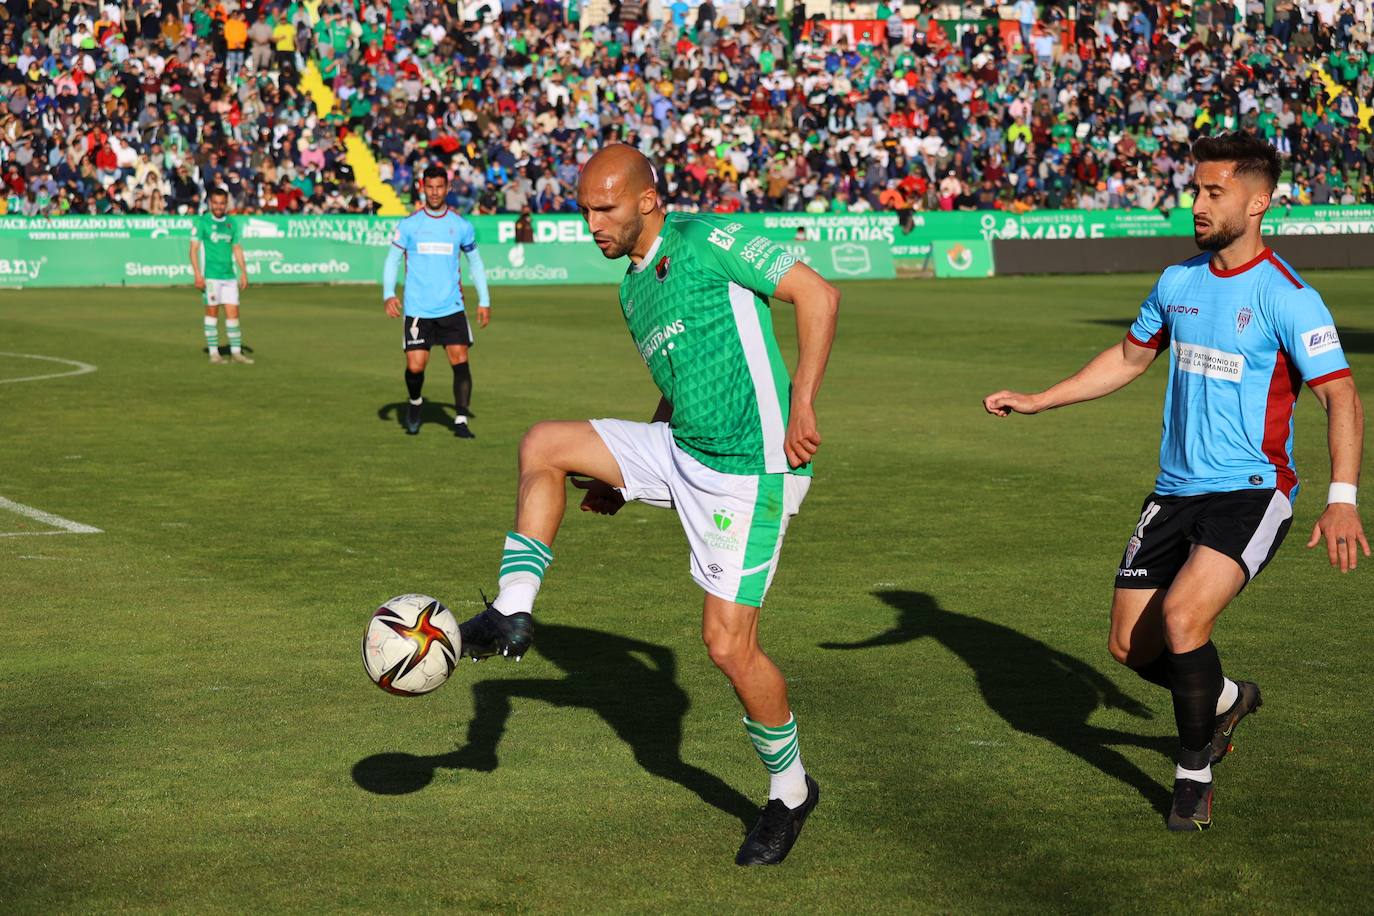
(658, 336)
(661, 268)
(1256, 480)
(721, 239)
(1181, 310)
(1205, 361)
(1321, 340)
(1243, 319)
(444, 248)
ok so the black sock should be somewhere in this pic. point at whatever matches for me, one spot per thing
(1196, 678)
(462, 388)
(414, 382)
(1156, 672)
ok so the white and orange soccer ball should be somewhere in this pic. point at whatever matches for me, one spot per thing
(411, 645)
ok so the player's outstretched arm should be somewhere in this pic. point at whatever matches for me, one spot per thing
(1340, 523)
(817, 305)
(1112, 369)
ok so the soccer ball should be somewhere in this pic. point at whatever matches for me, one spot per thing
(411, 645)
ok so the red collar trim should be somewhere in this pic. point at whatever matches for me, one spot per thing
(425, 211)
(1235, 271)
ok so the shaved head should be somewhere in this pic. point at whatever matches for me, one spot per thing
(616, 195)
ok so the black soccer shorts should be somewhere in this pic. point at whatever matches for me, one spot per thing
(1246, 525)
(423, 333)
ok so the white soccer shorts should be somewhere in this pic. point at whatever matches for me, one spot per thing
(221, 292)
(734, 523)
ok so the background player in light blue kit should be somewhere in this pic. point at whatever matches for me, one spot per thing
(1244, 332)
(429, 242)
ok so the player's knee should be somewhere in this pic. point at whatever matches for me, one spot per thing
(730, 652)
(538, 445)
(1119, 648)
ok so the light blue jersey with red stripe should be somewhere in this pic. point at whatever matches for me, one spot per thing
(1241, 342)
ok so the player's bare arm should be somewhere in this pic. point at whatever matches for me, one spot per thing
(1340, 522)
(195, 265)
(1111, 370)
(243, 266)
(603, 498)
(817, 306)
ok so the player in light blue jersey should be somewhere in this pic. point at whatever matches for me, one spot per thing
(429, 242)
(1244, 333)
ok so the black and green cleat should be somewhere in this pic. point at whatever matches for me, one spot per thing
(493, 633)
(1192, 806)
(1248, 700)
(413, 418)
(777, 829)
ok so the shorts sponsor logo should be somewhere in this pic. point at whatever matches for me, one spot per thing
(721, 538)
(444, 248)
(1205, 361)
(1321, 340)
(1132, 573)
(1243, 319)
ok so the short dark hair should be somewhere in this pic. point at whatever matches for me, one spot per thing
(1251, 155)
(218, 191)
(435, 171)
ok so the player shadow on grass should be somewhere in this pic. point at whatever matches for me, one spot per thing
(1036, 690)
(430, 412)
(631, 684)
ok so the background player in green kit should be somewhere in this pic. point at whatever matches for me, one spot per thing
(216, 236)
(729, 447)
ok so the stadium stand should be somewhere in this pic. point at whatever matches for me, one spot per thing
(140, 106)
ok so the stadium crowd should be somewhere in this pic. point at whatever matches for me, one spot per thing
(141, 106)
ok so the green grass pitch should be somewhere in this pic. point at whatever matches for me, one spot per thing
(187, 725)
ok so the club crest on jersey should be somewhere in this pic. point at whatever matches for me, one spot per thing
(661, 268)
(1243, 319)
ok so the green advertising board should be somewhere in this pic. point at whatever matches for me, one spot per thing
(962, 258)
(154, 250)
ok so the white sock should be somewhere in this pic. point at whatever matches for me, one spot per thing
(781, 756)
(1227, 698)
(1202, 775)
(416, 402)
(460, 419)
(517, 595)
(789, 785)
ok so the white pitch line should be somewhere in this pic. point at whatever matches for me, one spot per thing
(67, 525)
(81, 368)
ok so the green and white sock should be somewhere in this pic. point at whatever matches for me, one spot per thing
(522, 572)
(212, 335)
(235, 338)
(781, 754)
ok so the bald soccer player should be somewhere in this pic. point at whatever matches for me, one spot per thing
(729, 448)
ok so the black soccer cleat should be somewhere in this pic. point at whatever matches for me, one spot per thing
(1248, 700)
(493, 633)
(413, 418)
(1191, 810)
(778, 828)
(461, 431)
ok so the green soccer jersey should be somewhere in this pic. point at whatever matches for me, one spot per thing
(217, 239)
(697, 308)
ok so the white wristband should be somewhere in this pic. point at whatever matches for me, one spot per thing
(1342, 493)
